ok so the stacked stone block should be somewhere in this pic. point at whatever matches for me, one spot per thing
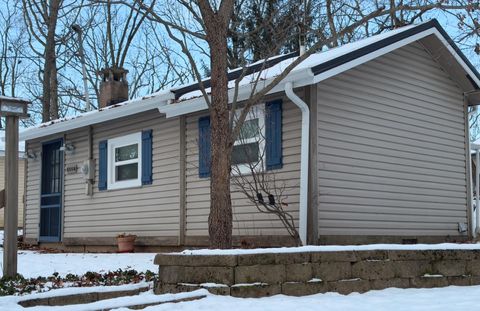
(306, 273)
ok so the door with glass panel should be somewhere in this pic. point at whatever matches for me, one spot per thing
(51, 191)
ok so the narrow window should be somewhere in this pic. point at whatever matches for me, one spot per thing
(249, 147)
(124, 161)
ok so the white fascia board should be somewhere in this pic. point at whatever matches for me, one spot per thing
(299, 78)
(457, 57)
(358, 61)
(96, 117)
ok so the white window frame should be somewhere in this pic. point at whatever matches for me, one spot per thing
(256, 112)
(135, 138)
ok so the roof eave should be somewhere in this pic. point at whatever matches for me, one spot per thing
(299, 78)
(150, 103)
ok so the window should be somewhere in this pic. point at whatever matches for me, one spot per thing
(124, 161)
(260, 142)
(248, 149)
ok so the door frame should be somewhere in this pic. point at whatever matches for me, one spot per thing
(62, 176)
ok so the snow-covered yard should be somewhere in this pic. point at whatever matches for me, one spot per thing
(33, 264)
(451, 298)
(19, 232)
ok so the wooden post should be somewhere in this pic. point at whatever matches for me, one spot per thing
(11, 197)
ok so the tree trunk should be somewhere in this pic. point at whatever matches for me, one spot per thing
(54, 90)
(49, 69)
(216, 28)
(220, 218)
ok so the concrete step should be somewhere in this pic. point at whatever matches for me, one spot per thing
(81, 298)
(107, 300)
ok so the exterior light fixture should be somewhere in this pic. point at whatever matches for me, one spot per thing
(31, 154)
(68, 148)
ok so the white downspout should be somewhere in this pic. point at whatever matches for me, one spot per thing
(476, 212)
(304, 156)
(477, 196)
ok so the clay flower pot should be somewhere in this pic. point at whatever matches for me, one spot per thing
(126, 243)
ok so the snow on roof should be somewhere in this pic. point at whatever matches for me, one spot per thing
(123, 109)
(188, 98)
(311, 61)
(16, 99)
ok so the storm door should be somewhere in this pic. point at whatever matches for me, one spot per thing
(51, 191)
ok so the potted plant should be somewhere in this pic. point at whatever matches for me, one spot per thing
(126, 242)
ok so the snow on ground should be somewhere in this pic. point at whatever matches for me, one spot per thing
(19, 232)
(34, 264)
(392, 299)
(332, 248)
(451, 298)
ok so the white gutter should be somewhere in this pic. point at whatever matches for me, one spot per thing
(477, 188)
(97, 116)
(476, 213)
(304, 156)
(300, 77)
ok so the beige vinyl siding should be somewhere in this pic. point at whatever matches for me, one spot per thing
(391, 149)
(246, 218)
(147, 211)
(32, 189)
(21, 187)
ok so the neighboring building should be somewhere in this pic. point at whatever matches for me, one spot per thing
(21, 177)
(389, 158)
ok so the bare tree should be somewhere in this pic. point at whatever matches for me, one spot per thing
(116, 36)
(262, 188)
(48, 27)
(12, 43)
(41, 19)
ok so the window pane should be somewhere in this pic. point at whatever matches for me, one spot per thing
(247, 153)
(126, 172)
(126, 153)
(250, 129)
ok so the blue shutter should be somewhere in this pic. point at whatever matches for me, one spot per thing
(204, 152)
(273, 134)
(102, 165)
(147, 157)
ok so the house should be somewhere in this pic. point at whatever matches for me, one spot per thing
(385, 156)
(21, 179)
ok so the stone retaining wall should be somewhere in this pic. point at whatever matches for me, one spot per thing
(256, 275)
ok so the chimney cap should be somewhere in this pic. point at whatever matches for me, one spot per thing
(112, 70)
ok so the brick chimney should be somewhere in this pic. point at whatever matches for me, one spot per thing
(114, 86)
